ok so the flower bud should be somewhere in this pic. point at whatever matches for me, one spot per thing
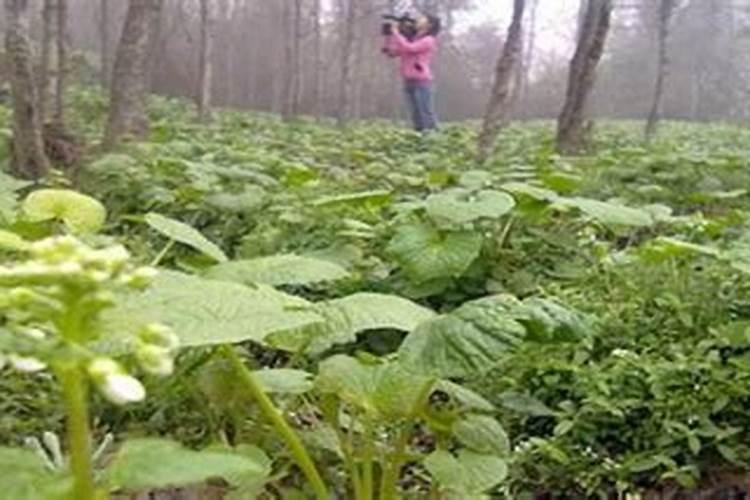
(159, 335)
(155, 360)
(33, 333)
(114, 384)
(26, 364)
(122, 389)
(140, 278)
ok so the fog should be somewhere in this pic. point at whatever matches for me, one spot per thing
(708, 54)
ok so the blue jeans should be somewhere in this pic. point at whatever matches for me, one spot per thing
(422, 104)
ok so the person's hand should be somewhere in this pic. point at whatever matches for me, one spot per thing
(396, 27)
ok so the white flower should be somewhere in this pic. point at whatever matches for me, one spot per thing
(34, 333)
(26, 364)
(114, 384)
(122, 389)
(155, 360)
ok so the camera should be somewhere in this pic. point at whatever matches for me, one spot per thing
(407, 25)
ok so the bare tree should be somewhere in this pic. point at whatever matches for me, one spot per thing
(528, 56)
(49, 66)
(500, 100)
(128, 93)
(571, 133)
(348, 12)
(104, 46)
(317, 89)
(29, 159)
(292, 68)
(666, 9)
(205, 63)
(62, 61)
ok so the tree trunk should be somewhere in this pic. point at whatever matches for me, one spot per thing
(571, 133)
(129, 89)
(104, 48)
(292, 34)
(528, 57)
(317, 92)
(62, 60)
(666, 9)
(499, 105)
(156, 42)
(29, 159)
(47, 81)
(348, 10)
(297, 58)
(205, 63)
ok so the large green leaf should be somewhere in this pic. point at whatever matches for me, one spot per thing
(208, 312)
(470, 341)
(80, 213)
(425, 253)
(375, 199)
(480, 334)
(467, 474)
(348, 316)
(278, 270)
(460, 206)
(482, 434)
(181, 232)
(158, 463)
(387, 390)
(610, 213)
(284, 380)
(23, 476)
(548, 321)
(466, 398)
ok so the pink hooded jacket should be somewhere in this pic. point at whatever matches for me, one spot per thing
(416, 56)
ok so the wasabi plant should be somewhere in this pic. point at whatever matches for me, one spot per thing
(54, 295)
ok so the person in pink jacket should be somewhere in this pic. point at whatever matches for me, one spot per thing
(416, 57)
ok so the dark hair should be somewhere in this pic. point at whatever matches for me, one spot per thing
(435, 25)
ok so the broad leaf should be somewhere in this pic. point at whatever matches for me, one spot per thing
(520, 189)
(610, 213)
(467, 398)
(386, 391)
(278, 270)
(479, 335)
(80, 213)
(470, 341)
(207, 312)
(284, 380)
(346, 317)
(468, 473)
(23, 476)
(548, 321)
(180, 232)
(425, 253)
(482, 434)
(364, 199)
(460, 206)
(157, 463)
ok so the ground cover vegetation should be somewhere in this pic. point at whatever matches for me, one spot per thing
(366, 313)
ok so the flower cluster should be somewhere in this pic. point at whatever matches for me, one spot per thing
(52, 305)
